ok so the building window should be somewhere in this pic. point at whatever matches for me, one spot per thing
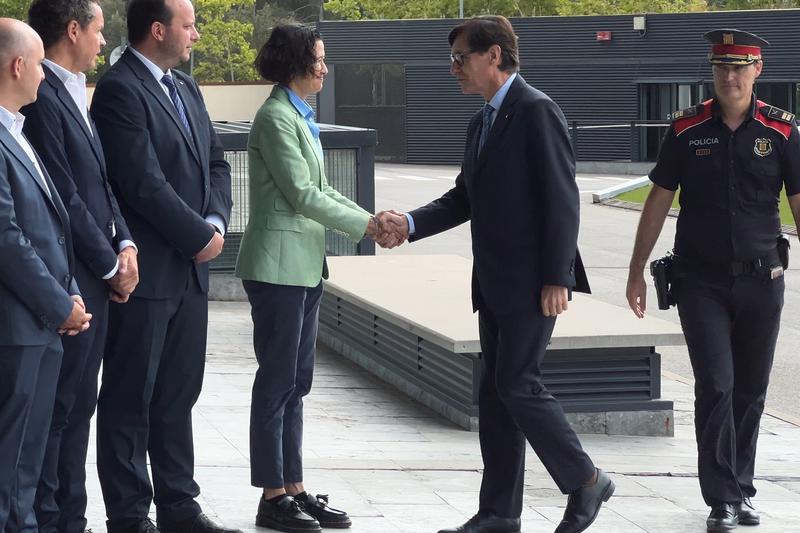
(374, 96)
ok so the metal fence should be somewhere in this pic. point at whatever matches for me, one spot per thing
(349, 167)
(645, 136)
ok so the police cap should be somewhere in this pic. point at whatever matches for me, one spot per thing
(734, 47)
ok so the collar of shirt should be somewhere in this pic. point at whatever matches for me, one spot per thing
(69, 79)
(75, 85)
(13, 122)
(305, 110)
(154, 69)
(500, 95)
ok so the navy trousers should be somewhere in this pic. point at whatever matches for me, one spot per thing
(152, 376)
(28, 378)
(514, 406)
(285, 323)
(61, 496)
(731, 328)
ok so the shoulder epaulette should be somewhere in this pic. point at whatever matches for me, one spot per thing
(775, 118)
(778, 114)
(691, 116)
(686, 113)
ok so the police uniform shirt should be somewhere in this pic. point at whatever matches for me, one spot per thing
(730, 181)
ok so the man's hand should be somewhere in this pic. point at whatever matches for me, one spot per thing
(78, 319)
(125, 280)
(212, 249)
(554, 300)
(395, 229)
(636, 292)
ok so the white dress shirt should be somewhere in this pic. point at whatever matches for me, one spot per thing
(13, 122)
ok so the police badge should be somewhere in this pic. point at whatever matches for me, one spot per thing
(763, 147)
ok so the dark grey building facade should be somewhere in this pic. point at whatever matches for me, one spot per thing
(394, 76)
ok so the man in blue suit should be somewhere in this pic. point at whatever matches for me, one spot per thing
(168, 171)
(39, 296)
(60, 129)
(517, 188)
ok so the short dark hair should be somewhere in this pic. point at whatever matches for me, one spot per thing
(485, 31)
(288, 53)
(50, 18)
(141, 16)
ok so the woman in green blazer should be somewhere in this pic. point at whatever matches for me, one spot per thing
(281, 263)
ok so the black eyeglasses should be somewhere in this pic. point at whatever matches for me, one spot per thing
(459, 57)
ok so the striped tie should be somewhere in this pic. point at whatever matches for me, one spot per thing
(173, 94)
(485, 126)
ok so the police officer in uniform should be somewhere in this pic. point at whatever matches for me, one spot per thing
(730, 156)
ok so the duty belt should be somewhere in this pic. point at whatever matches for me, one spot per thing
(683, 266)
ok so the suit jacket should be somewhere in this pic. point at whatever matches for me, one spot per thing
(74, 159)
(166, 180)
(522, 200)
(36, 261)
(291, 202)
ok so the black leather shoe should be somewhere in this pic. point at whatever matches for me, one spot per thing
(584, 504)
(199, 524)
(285, 514)
(486, 523)
(748, 516)
(723, 517)
(318, 508)
(143, 526)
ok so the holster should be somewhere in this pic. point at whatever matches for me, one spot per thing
(662, 272)
(783, 250)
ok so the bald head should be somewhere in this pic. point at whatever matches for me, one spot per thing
(16, 39)
(21, 56)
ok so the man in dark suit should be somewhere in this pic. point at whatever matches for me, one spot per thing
(168, 170)
(59, 128)
(517, 187)
(39, 296)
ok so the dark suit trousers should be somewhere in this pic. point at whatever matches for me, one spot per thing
(731, 330)
(61, 495)
(28, 378)
(285, 323)
(152, 376)
(514, 406)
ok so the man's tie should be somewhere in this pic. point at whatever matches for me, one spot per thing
(485, 126)
(173, 95)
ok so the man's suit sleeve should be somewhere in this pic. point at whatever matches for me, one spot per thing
(134, 167)
(220, 202)
(550, 151)
(22, 271)
(43, 127)
(448, 211)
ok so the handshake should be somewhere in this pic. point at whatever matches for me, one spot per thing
(388, 228)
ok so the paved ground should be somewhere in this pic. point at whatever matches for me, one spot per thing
(398, 467)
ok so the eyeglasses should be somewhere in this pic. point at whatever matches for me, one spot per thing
(459, 57)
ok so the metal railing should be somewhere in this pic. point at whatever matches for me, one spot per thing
(636, 130)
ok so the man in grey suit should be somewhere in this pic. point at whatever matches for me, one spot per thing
(60, 129)
(39, 296)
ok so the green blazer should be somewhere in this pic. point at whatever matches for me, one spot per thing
(291, 202)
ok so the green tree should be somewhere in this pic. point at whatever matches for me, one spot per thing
(618, 7)
(15, 9)
(224, 52)
(392, 9)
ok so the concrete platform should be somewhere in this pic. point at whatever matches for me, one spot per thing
(408, 319)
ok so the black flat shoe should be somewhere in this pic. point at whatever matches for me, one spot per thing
(723, 517)
(486, 523)
(748, 516)
(285, 514)
(583, 505)
(318, 508)
(198, 524)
